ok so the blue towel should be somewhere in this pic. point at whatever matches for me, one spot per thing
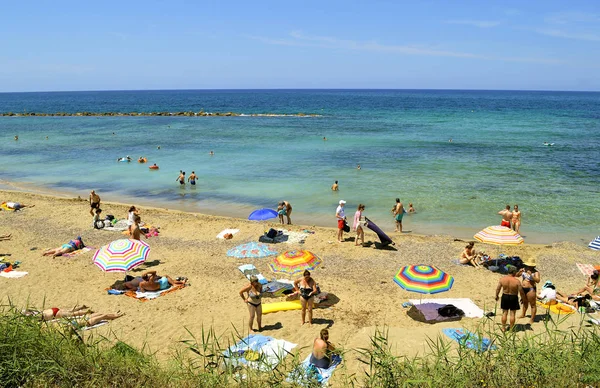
(470, 340)
(115, 292)
(307, 373)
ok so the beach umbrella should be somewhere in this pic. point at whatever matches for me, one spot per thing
(121, 255)
(293, 262)
(251, 249)
(595, 244)
(424, 279)
(262, 214)
(499, 235)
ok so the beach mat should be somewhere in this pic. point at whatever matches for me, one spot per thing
(428, 313)
(586, 269)
(557, 308)
(149, 295)
(13, 274)
(225, 231)
(306, 374)
(470, 309)
(258, 351)
(285, 236)
(470, 340)
(86, 328)
(384, 238)
(250, 270)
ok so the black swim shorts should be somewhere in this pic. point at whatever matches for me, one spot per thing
(510, 302)
(95, 205)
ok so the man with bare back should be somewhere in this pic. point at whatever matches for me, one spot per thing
(511, 289)
(506, 216)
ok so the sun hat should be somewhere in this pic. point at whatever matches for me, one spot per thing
(530, 263)
(547, 284)
(342, 201)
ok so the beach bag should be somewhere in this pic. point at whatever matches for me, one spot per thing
(109, 217)
(346, 227)
(272, 233)
(450, 310)
(99, 224)
(228, 236)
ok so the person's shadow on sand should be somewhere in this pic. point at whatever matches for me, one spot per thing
(273, 326)
(323, 321)
(146, 265)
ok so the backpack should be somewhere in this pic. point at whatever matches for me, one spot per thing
(450, 310)
(272, 233)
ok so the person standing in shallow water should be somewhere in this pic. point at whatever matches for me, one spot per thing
(181, 178)
(288, 211)
(335, 186)
(398, 211)
(516, 219)
(506, 216)
(192, 178)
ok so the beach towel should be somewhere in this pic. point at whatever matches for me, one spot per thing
(470, 340)
(13, 274)
(258, 351)
(586, 269)
(470, 309)
(226, 231)
(277, 288)
(285, 236)
(119, 226)
(4, 206)
(149, 295)
(250, 270)
(558, 307)
(79, 251)
(86, 328)
(306, 374)
(429, 313)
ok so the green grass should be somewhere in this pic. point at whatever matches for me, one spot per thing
(39, 354)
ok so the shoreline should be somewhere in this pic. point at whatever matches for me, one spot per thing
(233, 210)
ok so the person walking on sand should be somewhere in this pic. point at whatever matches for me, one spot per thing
(335, 186)
(307, 287)
(398, 211)
(506, 216)
(192, 178)
(356, 225)
(341, 220)
(94, 202)
(181, 178)
(511, 289)
(530, 277)
(516, 219)
(253, 300)
(288, 211)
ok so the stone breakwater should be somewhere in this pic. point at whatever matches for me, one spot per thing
(132, 114)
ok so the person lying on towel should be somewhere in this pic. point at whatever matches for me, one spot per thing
(83, 315)
(71, 246)
(153, 282)
(322, 351)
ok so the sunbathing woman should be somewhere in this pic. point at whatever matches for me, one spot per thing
(71, 246)
(592, 286)
(89, 317)
(152, 282)
(16, 205)
(307, 287)
(322, 349)
(253, 300)
(468, 256)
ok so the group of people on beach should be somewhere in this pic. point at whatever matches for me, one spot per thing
(511, 218)
(284, 209)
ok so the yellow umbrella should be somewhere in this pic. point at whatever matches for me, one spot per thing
(293, 262)
(499, 235)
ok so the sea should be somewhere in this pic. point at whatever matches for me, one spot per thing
(459, 156)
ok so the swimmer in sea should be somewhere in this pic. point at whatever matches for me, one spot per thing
(181, 178)
(358, 167)
(158, 147)
(16, 137)
(324, 138)
(211, 153)
(192, 178)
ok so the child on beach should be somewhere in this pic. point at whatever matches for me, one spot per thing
(98, 223)
(281, 211)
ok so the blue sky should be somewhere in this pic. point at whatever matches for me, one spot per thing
(110, 45)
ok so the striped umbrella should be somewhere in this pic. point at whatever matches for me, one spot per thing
(424, 279)
(595, 244)
(121, 255)
(252, 249)
(293, 262)
(499, 235)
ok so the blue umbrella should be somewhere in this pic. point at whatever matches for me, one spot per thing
(262, 214)
(595, 245)
(252, 249)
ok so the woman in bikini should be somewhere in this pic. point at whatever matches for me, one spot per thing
(516, 219)
(83, 313)
(253, 300)
(307, 287)
(71, 246)
(468, 256)
(322, 350)
(530, 277)
(592, 286)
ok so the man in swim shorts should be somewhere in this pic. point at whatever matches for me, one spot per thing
(398, 211)
(181, 178)
(94, 202)
(511, 289)
(192, 178)
(341, 219)
(506, 216)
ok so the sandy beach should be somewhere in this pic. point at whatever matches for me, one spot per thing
(361, 277)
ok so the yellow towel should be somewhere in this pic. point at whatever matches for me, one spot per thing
(557, 308)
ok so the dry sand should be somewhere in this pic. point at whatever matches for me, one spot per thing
(361, 277)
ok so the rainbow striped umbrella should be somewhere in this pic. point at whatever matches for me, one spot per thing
(293, 262)
(121, 255)
(499, 235)
(424, 279)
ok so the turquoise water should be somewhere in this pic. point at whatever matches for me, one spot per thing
(400, 139)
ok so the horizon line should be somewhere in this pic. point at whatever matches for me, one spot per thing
(304, 89)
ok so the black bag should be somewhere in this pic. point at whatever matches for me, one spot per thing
(271, 233)
(109, 217)
(346, 227)
(450, 310)
(99, 224)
